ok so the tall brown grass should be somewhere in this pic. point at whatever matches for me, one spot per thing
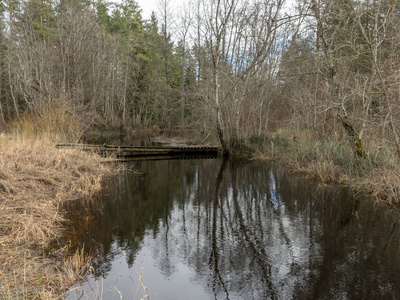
(54, 121)
(35, 178)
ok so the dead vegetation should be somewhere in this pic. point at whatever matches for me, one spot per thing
(330, 160)
(383, 185)
(35, 178)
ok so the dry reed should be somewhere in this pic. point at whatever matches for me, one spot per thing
(54, 121)
(35, 178)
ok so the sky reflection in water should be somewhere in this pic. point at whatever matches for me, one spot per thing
(208, 229)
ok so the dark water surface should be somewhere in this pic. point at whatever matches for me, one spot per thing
(207, 229)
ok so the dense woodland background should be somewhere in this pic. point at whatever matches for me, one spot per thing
(233, 69)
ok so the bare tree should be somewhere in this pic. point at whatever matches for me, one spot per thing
(185, 20)
(380, 18)
(166, 17)
(241, 38)
(330, 37)
(219, 14)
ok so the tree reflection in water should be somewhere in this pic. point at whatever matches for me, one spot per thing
(239, 230)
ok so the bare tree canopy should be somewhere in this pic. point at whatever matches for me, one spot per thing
(232, 68)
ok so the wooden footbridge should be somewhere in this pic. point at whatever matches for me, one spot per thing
(141, 153)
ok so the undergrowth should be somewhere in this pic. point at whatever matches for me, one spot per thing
(53, 122)
(332, 160)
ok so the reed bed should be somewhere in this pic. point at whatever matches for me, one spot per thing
(35, 179)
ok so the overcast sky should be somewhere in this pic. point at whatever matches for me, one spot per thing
(148, 6)
(151, 5)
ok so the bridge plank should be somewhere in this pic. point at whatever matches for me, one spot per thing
(141, 149)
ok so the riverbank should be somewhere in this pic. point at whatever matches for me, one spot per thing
(35, 179)
(332, 159)
(328, 159)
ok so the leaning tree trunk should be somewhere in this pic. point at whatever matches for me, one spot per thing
(352, 133)
(348, 126)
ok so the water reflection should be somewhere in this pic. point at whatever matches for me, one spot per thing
(213, 229)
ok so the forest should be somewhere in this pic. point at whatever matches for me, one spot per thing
(256, 75)
(313, 85)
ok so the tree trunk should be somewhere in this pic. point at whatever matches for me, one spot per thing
(348, 126)
(218, 125)
(167, 95)
(183, 100)
(235, 126)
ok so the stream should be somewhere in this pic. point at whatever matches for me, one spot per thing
(214, 229)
